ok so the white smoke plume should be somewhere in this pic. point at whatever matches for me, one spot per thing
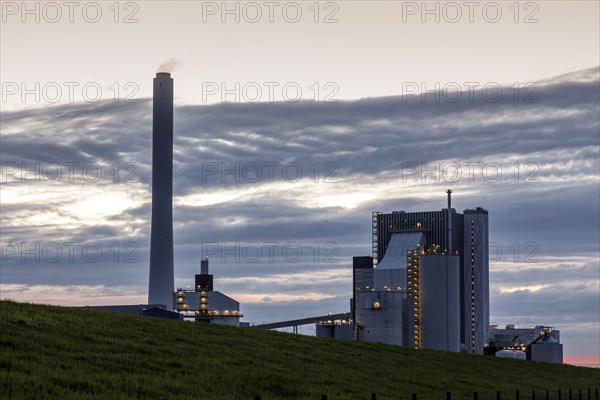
(169, 66)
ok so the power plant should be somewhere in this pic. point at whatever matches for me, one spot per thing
(425, 284)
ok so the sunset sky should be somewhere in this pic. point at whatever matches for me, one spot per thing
(517, 110)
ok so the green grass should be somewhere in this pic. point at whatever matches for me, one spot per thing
(51, 352)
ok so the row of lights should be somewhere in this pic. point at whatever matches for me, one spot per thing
(413, 284)
(472, 288)
(216, 312)
(331, 322)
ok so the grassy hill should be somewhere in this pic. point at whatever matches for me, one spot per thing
(66, 353)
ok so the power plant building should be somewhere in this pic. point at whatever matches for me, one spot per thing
(476, 280)
(539, 343)
(203, 304)
(425, 292)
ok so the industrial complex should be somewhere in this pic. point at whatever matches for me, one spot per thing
(425, 284)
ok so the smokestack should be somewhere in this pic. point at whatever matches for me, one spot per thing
(161, 285)
(449, 221)
(204, 266)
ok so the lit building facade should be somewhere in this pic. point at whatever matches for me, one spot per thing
(476, 309)
(540, 343)
(203, 304)
(434, 299)
(453, 294)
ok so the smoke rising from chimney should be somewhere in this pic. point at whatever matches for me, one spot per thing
(169, 66)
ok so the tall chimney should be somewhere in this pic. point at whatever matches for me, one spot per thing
(449, 221)
(161, 285)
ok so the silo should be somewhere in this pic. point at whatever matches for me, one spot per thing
(439, 311)
(548, 351)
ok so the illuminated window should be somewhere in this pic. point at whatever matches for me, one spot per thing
(377, 305)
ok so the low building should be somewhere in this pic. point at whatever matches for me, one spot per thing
(203, 304)
(540, 343)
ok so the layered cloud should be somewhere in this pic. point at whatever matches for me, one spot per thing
(280, 195)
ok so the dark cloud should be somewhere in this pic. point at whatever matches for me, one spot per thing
(553, 201)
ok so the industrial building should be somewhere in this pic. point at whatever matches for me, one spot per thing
(475, 288)
(539, 343)
(203, 304)
(427, 282)
(426, 285)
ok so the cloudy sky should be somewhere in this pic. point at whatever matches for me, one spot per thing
(292, 124)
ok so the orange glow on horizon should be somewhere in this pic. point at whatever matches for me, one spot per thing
(591, 360)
